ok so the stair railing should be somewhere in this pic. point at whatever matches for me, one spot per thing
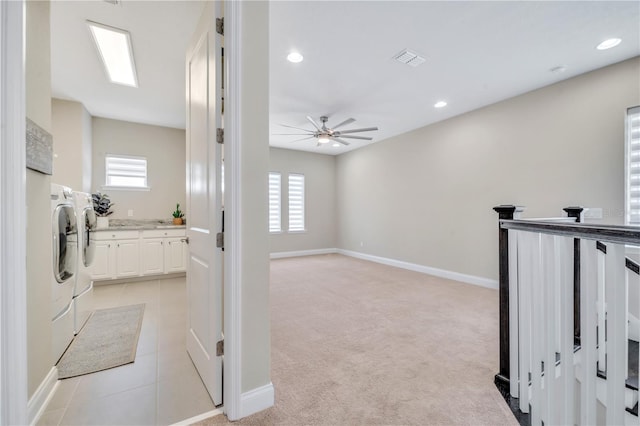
(550, 270)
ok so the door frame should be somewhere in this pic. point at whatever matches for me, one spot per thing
(232, 285)
(13, 231)
(13, 306)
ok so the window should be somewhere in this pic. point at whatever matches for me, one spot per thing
(296, 202)
(126, 172)
(633, 166)
(274, 202)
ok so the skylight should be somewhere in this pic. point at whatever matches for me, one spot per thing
(114, 47)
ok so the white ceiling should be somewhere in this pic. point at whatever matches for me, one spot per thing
(477, 53)
(160, 32)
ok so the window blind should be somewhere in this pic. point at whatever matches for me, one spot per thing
(633, 166)
(125, 171)
(296, 202)
(274, 202)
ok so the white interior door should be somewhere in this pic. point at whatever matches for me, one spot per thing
(204, 200)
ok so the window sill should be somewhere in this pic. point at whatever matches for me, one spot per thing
(126, 188)
(303, 231)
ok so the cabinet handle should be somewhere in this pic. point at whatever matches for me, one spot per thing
(108, 245)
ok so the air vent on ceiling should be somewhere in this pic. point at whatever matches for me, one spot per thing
(410, 58)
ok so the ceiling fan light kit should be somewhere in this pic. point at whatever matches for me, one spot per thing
(324, 134)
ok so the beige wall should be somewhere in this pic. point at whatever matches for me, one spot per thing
(254, 80)
(164, 149)
(426, 196)
(320, 207)
(71, 145)
(39, 271)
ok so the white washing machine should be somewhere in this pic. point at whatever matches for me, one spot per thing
(65, 263)
(83, 289)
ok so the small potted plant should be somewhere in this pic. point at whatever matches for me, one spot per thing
(102, 206)
(177, 215)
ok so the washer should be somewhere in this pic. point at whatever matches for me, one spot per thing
(83, 289)
(65, 263)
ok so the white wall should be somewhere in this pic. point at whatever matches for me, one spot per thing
(320, 207)
(71, 144)
(254, 80)
(426, 196)
(39, 251)
(164, 149)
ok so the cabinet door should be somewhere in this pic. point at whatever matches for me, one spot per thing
(103, 262)
(152, 252)
(175, 255)
(128, 258)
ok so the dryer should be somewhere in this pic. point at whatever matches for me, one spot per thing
(83, 289)
(65, 248)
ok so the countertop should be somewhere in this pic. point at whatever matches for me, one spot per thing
(142, 224)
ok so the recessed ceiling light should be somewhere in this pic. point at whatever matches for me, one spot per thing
(440, 104)
(295, 57)
(336, 145)
(114, 47)
(608, 44)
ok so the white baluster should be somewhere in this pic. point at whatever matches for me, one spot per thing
(513, 315)
(616, 338)
(549, 285)
(537, 331)
(588, 322)
(634, 281)
(567, 368)
(524, 317)
(601, 309)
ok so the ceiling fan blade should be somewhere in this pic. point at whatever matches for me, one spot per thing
(291, 134)
(303, 139)
(297, 128)
(366, 129)
(314, 123)
(364, 138)
(339, 140)
(344, 123)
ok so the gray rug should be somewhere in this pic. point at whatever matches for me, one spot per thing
(108, 339)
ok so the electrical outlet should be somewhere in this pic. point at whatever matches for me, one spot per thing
(130, 213)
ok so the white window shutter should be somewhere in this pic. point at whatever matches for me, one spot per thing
(296, 202)
(633, 166)
(125, 171)
(274, 202)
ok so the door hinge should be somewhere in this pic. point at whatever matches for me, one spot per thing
(220, 26)
(220, 135)
(220, 240)
(220, 348)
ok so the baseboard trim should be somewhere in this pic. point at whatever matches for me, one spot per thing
(41, 397)
(442, 273)
(298, 253)
(257, 400)
(199, 417)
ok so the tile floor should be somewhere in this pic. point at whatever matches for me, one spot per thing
(161, 387)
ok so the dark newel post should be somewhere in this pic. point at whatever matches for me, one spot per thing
(576, 212)
(504, 212)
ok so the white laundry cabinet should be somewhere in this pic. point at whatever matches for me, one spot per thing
(133, 253)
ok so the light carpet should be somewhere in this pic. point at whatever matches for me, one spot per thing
(108, 339)
(359, 343)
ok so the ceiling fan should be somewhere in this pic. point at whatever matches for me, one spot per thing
(326, 134)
